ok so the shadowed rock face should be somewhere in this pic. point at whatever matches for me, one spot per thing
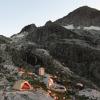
(81, 59)
(50, 33)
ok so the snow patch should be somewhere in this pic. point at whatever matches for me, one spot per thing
(97, 28)
(78, 27)
(92, 28)
(69, 26)
(18, 37)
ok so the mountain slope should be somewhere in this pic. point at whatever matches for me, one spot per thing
(83, 16)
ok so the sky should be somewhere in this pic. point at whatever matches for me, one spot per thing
(15, 14)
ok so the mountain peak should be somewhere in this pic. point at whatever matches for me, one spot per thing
(85, 7)
(29, 28)
(82, 16)
(48, 23)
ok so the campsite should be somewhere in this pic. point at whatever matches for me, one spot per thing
(28, 81)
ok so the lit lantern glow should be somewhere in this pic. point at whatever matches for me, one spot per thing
(50, 82)
(55, 98)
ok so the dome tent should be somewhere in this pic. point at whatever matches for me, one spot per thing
(22, 85)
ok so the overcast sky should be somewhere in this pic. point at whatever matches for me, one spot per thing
(15, 14)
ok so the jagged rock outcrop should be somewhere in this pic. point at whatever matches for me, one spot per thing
(29, 28)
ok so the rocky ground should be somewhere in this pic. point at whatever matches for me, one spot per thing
(90, 93)
(26, 95)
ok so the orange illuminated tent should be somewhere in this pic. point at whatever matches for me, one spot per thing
(22, 85)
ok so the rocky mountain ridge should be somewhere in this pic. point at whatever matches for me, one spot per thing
(83, 16)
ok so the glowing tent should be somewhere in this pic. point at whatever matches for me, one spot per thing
(22, 85)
